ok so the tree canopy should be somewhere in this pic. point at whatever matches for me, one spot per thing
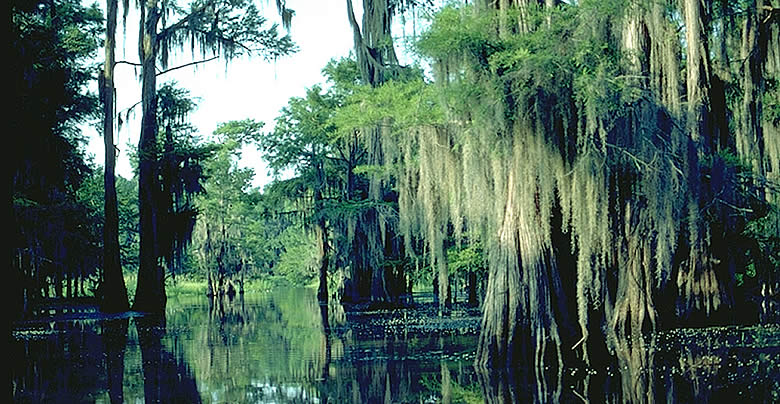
(594, 170)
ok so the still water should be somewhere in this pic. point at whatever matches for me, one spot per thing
(282, 347)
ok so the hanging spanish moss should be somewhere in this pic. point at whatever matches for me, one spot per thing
(593, 158)
(758, 134)
(367, 244)
(370, 237)
(181, 172)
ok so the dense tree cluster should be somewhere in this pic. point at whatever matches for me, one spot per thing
(589, 170)
(57, 241)
(53, 232)
(615, 158)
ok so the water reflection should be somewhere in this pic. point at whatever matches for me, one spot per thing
(731, 364)
(285, 347)
(115, 344)
(167, 377)
(703, 368)
(635, 360)
(289, 348)
(56, 363)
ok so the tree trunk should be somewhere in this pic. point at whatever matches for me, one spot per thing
(499, 339)
(700, 123)
(150, 292)
(114, 292)
(321, 232)
(322, 242)
(210, 291)
(243, 273)
(703, 131)
(377, 62)
(444, 283)
(472, 287)
(446, 383)
(410, 290)
(58, 277)
(151, 330)
(17, 288)
(436, 289)
(750, 138)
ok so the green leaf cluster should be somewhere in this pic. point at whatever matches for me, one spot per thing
(459, 29)
(402, 104)
(465, 259)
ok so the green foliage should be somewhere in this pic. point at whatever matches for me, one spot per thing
(180, 168)
(174, 104)
(56, 42)
(771, 101)
(55, 231)
(127, 197)
(226, 209)
(302, 133)
(763, 258)
(263, 229)
(459, 29)
(186, 287)
(406, 104)
(90, 195)
(299, 259)
(596, 64)
(466, 259)
(343, 75)
(238, 133)
(580, 61)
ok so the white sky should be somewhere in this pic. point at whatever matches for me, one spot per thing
(253, 89)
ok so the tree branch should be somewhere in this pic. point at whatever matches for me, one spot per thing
(166, 71)
(181, 23)
(771, 12)
(339, 159)
(187, 65)
(359, 44)
(124, 62)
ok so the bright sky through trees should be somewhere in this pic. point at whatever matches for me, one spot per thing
(245, 88)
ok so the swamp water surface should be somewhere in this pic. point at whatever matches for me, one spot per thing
(281, 347)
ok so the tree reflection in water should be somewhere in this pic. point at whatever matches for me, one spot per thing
(115, 344)
(285, 347)
(56, 362)
(167, 379)
(701, 369)
(635, 370)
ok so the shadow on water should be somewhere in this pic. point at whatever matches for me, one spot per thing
(284, 347)
(56, 363)
(115, 344)
(167, 378)
(86, 360)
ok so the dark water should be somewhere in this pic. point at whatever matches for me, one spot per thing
(281, 347)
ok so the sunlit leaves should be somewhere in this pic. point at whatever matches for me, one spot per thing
(455, 30)
(470, 258)
(300, 137)
(247, 131)
(299, 259)
(406, 103)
